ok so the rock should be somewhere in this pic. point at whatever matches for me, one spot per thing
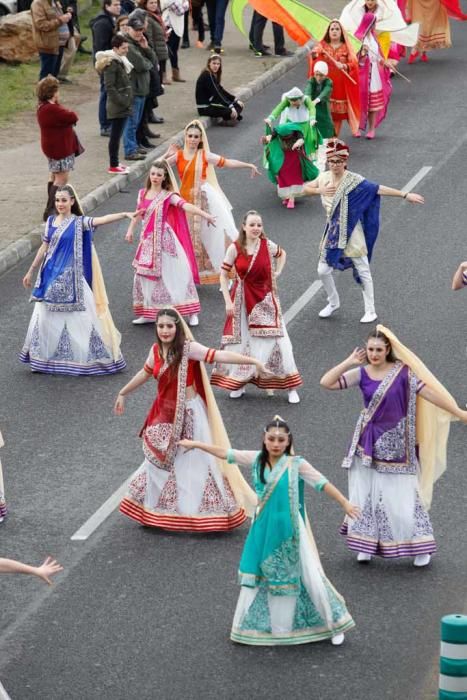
(16, 40)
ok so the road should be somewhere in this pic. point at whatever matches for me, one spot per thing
(146, 614)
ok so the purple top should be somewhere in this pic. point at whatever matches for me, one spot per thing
(384, 437)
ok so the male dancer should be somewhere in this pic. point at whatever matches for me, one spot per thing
(352, 207)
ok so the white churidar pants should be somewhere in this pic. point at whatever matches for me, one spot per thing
(363, 268)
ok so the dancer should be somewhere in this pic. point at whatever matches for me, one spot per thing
(398, 449)
(254, 324)
(285, 596)
(173, 490)
(295, 107)
(3, 510)
(71, 329)
(319, 89)
(375, 77)
(198, 185)
(45, 571)
(286, 162)
(337, 52)
(435, 32)
(165, 265)
(351, 204)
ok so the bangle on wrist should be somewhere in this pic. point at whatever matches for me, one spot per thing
(404, 195)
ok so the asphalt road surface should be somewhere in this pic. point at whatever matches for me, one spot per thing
(145, 614)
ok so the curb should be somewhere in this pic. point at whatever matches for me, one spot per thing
(15, 252)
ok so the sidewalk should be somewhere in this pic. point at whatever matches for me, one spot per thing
(24, 167)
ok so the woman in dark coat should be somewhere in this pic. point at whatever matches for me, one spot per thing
(212, 100)
(59, 142)
(116, 69)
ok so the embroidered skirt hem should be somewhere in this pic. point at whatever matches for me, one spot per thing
(292, 381)
(182, 523)
(302, 637)
(151, 312)
(71, 368)
(3, 508)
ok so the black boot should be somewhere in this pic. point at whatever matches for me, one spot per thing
(50, 206)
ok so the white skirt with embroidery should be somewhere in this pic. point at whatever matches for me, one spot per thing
(194, 495)
(393, 522)
(70, 342)
(318, 612)
(175, 287)
(276, 353)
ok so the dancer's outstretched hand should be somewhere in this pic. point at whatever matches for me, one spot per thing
(119, 407)
(48, 568)
(352, 510)
(415, 198)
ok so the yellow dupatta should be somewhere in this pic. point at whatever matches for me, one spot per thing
(433, 423)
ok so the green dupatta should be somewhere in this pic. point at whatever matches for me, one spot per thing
(273, 159)
(271, 554)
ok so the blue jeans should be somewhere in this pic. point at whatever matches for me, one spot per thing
(50, 63)
(216, 15)
(103, 121)
(130, 143)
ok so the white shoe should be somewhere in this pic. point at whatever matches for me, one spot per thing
(328, 310)
(338, 639)
(142, 319)
(237, 394)
(363, 557)
(269, 392)
(422, 560)
(369, 317)
(294, 397)
(193, 320)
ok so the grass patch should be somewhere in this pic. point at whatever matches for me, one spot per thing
(18, 82)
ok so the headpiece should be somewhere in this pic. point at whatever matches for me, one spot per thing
(136, 20)
(277, 420)
(336, 147)
(294, 94)
(321, 67)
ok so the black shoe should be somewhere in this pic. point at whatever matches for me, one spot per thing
(154, 119)
(84, 51)
(142, 150)
(151, 134)
(145, 143)
(218, 49)
(261, 53)
(185, 44)
(210, 46)
(284, 53)
(135, 156)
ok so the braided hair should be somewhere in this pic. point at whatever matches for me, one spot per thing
(263, 458)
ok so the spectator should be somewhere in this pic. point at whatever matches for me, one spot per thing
(173, 12)
(198, 21)
(216, 17)
(258, 24)
(50, 32)
(116, 69)
(103, 28)
(156, 37)
(59, 141)
(121, 25)
(128, 6)
(212, 100)
(71, 48)
(186, 32)
(142, 58)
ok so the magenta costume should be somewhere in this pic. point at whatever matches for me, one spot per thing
(384, 469)
(375, 79)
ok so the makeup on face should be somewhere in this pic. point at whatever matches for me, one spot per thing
(166, 329)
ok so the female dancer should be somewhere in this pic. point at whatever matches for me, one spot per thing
(173, 490)
(435, 32)
(336, 51)
(285, 596)
(195, 166)
(398, 448)
(286, 162)
(71, 330)
(165, 265)
(254, 323)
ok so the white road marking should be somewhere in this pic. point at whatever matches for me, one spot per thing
(416, 178)
(3, 694)
(112, 502)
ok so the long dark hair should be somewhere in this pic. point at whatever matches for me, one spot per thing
(327, 37)
(378, 335)
(241, 231)
(76, 206)
(175, 353)
(217, 76)
(264, 454)
(166, 182)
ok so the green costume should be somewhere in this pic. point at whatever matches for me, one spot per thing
(323, 91)
(306, 114)
(283, 137)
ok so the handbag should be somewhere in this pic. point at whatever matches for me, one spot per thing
(79, 148)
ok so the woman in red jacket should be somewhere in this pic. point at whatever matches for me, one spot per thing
(59, 142)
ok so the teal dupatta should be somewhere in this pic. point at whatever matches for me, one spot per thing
(271, 554)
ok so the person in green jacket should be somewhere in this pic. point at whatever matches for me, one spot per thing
(319, 90)
(297, 108)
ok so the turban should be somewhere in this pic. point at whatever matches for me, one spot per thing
(338, 148)
(321, 67)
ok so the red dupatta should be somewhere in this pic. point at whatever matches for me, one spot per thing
(255, 286)
(166, 419)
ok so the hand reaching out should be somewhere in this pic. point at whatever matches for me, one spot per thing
(119, 406)
(414, 198)
(48, 568)
(351, 510)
